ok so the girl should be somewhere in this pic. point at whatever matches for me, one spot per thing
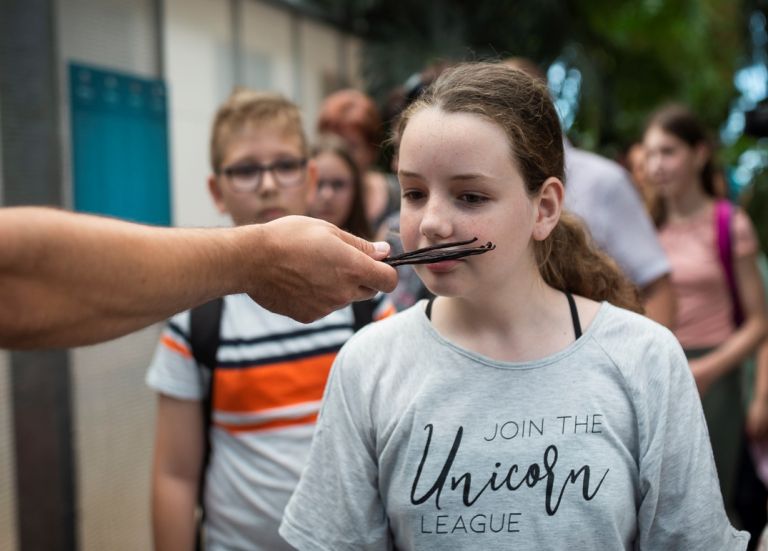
(340, 196)
(679, 165)
(518, 410)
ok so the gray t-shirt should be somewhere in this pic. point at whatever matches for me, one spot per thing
(422, 444)
(601, 193)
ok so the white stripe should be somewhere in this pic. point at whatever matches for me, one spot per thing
(287, 412)
(283, 347)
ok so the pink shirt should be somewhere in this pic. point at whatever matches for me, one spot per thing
(704, 310)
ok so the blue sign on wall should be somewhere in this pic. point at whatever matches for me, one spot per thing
(120, 145)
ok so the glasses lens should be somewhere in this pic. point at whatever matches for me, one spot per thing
(244, 177)
(289, 172)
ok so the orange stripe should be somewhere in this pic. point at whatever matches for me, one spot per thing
(271, 386)
(275, 424)
(175, 346)
(390, 311)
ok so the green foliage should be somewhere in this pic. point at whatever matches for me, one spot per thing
(633, 54)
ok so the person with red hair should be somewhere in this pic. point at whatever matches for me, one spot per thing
(354, 116)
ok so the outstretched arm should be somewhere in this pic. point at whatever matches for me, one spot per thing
(71, 279)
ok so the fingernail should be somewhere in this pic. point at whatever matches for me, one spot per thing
(381, 246)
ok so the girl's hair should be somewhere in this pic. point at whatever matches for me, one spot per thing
(356, 222)
(522, 107)
(351, 109)
(246, 109)
(679, 120)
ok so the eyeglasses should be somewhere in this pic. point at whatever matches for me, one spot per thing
(247, 177)
(335, 184)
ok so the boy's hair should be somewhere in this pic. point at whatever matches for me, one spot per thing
(245, 109)
(521, 106)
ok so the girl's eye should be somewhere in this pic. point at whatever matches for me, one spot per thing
(412, 194)
(472, 198)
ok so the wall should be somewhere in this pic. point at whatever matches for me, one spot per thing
(212, 46)
(7, 485)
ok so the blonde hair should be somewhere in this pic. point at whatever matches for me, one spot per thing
(521, 106)
(245, 109)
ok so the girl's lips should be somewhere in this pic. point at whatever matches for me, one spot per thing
(442, 266)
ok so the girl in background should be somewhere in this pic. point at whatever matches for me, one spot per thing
(679, 164)
(340, 195)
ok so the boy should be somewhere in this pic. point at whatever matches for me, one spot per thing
(269, 370)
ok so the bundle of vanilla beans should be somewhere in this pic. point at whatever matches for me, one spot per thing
(438, 253)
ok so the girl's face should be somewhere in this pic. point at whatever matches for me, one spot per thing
(459, 181)
(335, 189)
(672, 166)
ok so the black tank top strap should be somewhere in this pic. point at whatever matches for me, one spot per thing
(428, 309)
(574, 315)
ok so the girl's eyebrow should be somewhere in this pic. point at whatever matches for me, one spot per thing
(460, 177)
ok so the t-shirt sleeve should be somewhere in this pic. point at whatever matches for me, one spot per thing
(337, 505)
(744, 238)
(629, 235)
(681, 506)
(173, 371)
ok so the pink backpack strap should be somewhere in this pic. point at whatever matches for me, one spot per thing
(723, 215)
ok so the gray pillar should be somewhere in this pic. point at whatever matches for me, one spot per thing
(31, 174)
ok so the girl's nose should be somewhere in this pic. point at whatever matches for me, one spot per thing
(436, 222)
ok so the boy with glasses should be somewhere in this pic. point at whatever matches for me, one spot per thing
(234, 435)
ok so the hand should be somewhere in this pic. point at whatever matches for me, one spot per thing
(757, 419)
(313, 268)
(703, 374)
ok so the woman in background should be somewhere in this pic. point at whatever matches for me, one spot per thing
(340, 194)
(679, 163)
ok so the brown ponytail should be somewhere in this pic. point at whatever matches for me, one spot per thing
(568, 260)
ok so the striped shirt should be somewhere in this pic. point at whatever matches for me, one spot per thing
(269, 381)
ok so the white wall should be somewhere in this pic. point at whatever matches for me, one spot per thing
(197, 47)
(7, 459)
(115, 419)
(112, 409)
(278, 51)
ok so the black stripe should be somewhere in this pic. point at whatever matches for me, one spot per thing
(240, 364)
(176, 330)
(272, 337)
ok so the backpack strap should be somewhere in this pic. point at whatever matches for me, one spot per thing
(723, 217)
(204, 337)
(363, 313)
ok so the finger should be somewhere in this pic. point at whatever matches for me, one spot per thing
(379, 276)
(377, 250)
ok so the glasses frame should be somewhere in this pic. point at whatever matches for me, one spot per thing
(227, 172)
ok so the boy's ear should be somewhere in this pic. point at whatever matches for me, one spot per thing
(311, 180)
(548, 206)
(215, 190)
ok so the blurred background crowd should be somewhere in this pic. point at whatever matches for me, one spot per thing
(106, 107)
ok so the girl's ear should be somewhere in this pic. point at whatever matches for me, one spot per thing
(702, 154)
(547, 208)
(218, 197)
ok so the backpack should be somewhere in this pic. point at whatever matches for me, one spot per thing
(204, 339)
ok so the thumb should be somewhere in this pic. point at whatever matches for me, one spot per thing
(376, 250)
